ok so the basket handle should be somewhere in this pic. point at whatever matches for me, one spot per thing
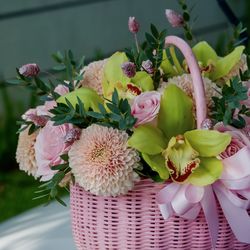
(199, 91)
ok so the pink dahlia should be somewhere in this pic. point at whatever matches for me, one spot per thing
(25, 153)
(102, 163)
(93, 74)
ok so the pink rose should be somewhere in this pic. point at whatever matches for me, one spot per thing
(39, 115)
(61, 89)
(238, 141)
(146, 106)
(50, 144)
(236, 157)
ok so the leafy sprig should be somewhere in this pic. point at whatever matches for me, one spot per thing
(50, 189)
(186, 18)
(67, 64)
(151, 49)
(116, 113)
(225, 107)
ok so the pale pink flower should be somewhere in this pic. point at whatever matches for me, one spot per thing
(174, 18)
(102, 163)
(61, 89)
(238, 141)
(50, 145)
(25, 153)
(148, 66)
(93, 75)
(146, 106)
(29, 70)
(185, 82)
(207, 124)
(133, 25)
(39, 115)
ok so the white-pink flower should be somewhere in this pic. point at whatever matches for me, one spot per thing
(61, 89)
(50, 144)
(146, 106)
(39, 115)
(238, 141)
(174, 18)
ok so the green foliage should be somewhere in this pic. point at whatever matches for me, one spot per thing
(68, 66)
(151, 49)
(116, 114)
(186, 24)
(224, 107)
(146, 171)
(50, 189)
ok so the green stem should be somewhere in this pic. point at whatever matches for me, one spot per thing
(175, 60)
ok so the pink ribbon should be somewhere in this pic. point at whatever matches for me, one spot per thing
(232, 192)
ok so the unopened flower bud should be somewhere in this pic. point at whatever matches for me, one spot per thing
(148, 66)
(129, 69)
(133, 25)
(29, 70)
(207, 124)
(72, 135)
(174, 18)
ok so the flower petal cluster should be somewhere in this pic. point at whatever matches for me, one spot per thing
(102, 163)
(25, 153)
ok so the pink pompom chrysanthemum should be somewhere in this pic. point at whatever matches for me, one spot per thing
(93, 74)
(102, 163)
(185, 83)
(25, 153)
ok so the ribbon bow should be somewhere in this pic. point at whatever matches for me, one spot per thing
(232, 192)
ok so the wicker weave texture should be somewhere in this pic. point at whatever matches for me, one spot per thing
(134, 222)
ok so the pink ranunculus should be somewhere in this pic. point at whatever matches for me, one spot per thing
(61, 89)
(146, 106)
(50, 144)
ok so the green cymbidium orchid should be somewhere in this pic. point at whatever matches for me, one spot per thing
(114, 78)
(192, 157)
(213, 66)
(88, 96)
(175, 148)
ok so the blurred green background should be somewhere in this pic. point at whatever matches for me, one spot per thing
(31, 30)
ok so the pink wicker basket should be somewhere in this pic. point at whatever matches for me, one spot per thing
(134, 221)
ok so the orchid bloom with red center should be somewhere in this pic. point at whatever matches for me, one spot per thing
(181, 158)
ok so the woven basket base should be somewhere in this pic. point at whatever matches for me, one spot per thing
(134, 222)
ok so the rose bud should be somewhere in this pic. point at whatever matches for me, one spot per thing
(133, 25)
(148, 66)
(129, 69)
(29, 70)
(174, 18)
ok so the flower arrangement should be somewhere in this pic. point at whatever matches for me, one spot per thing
(141, 114)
